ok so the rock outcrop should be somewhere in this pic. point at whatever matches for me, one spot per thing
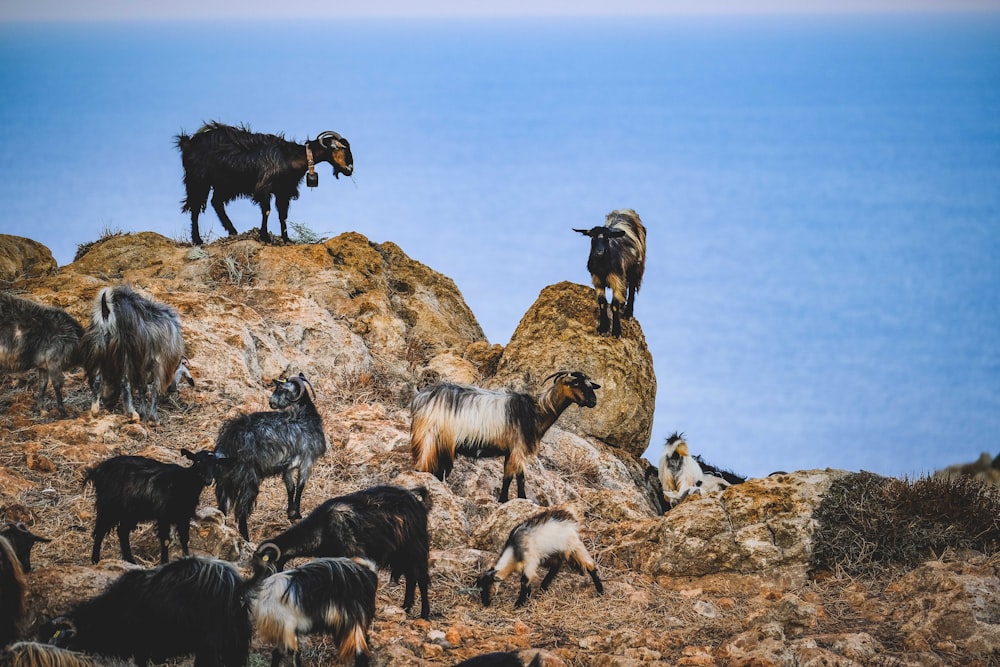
(23, 258)
(722, 579)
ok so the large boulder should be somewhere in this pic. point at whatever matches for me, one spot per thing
(23, 258)
(559, 332)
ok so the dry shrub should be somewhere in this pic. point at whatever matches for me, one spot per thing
(106, 233)
(236, 265)
(868, 523)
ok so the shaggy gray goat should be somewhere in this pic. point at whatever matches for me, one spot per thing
(233, 162)
(549, 539)
(130, 343)
(617, 260)
(43, 337)
(331, 595)
(449, 419)
(284, 442)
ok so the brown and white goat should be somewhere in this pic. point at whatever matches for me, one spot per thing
(449, 419)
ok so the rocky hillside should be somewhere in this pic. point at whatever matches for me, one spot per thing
(725, 579)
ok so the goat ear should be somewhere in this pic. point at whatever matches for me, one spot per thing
(186, 453)
(585, 232)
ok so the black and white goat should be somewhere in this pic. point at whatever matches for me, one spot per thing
(235, 162)
(192, 605)
(548, 539)
(617, 260)
(43, 337)
(385, 524)
(12, 593)
(22, 540)
(284, 442)
(130, 343)
(449, 419)
(330, 595)
(132, 489)
(683, 475)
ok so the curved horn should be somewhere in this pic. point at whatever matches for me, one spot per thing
(303, 378)
(272, 545)
(556, 375)
(299, 382)
(330, 139)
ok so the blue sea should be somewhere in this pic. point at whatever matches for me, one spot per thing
(822, 194)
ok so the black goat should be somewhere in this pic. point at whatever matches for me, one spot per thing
(192, 605)
(332, 595)
(235, 162)
(132, 489)
(617, 260)
(22, 540)
(385, 524)
(502, 659)
(11, 593)
(131, 342)
(449, 419)
(42, 337)
(285, 442)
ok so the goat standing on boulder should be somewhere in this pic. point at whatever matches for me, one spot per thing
(449, 419)
(234, 162)
(42, 337)
(617, 260)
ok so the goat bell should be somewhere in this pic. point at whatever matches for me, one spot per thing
(312, 179)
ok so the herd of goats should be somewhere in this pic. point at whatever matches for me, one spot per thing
(132, 352)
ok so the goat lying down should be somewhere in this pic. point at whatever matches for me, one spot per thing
(683, 475)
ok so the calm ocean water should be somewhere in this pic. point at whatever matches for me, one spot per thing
(822, 196)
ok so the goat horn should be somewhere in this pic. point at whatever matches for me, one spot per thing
(330, 140)
(303, 378)
(557, 374)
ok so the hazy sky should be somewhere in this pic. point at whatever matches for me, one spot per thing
(251, 9)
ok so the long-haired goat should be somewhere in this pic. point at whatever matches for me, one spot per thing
(235, 162)
(331, 595)
(132, 489)
(22, 540)
(131, 342)
(617, 260)
(192, 605)
(548, 539)
(12, 593)
(285, 442)
(386, 524)
(683, 475)
(35, 654)
(449, 419)
(42, 337)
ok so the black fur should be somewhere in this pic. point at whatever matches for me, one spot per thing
(191, 605)
(727, 475)
(285, 442)
(11, 593)
(235, 162)
(500, 659)
(22, 540)
(132, 489)
(385, 524)
(42, 337)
